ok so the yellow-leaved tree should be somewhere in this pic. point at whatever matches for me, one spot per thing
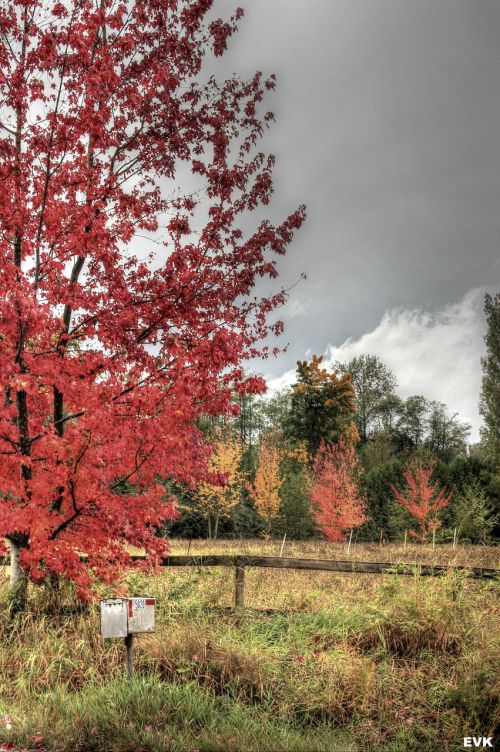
(265, 489)
(215, 500)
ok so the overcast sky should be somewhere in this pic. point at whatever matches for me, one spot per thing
(388, 128)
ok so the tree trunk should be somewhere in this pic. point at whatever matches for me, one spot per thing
(52, 593)
(18, 578)
(216, 528)
(209, 520)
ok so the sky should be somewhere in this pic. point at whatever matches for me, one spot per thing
(387, 128)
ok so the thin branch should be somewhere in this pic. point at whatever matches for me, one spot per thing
(77, 511)
(137, 467)
(6, 128)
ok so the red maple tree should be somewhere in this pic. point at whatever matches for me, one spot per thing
(336, 500)
(422, 498)
(126, 306)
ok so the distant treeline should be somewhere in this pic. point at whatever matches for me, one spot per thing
(333, 453)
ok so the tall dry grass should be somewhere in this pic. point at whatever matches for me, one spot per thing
(318, 661)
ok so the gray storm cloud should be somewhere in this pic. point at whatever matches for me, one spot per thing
(387, 128)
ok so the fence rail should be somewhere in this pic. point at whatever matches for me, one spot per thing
(324, 565)
(240, 563)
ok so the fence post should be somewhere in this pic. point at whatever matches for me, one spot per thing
(282, 546)
(239, 586)
(349, 544)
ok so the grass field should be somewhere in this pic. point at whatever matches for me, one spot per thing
(317, 661)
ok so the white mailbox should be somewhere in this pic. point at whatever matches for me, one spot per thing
(126, 616)
(114, 618)
(141, 615)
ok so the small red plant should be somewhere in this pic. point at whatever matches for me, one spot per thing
(422, 497)
(336, 500)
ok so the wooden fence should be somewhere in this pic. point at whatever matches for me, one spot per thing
(240, 563)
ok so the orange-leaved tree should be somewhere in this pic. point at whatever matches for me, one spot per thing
(336, 499)
(422, 497)
(264, 491)
(216, 499)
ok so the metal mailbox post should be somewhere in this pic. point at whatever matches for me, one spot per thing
(125, 617)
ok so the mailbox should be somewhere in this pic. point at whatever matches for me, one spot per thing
(126, 616)
(141, 615)
(114, 618)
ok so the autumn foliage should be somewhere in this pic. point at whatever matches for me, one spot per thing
(126, 304)
(323, 406)
(422, 497)
(215, 500)
(335, 496)
(264, 491)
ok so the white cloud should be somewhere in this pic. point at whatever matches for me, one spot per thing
(295, 308)
(434, 354)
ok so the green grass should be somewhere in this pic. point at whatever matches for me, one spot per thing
(149, 715)
(335, 662)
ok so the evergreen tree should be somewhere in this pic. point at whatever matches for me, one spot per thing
(489, 405)
(295, 517)
(383, 511)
